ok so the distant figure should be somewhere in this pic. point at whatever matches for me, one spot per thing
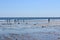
(15, 21)
(8, 21)
(34, 24)
(23, 21)
(43, 26)
(18, 23)
(48, 20)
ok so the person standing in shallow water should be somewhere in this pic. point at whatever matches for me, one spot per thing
(48, 20)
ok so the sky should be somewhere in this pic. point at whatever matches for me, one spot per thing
(29, 8)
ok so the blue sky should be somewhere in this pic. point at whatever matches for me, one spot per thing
(29, 8)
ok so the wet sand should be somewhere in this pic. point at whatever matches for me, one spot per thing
(31, 31)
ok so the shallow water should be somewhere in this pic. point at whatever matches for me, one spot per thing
(30, 31)
(35, 33)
